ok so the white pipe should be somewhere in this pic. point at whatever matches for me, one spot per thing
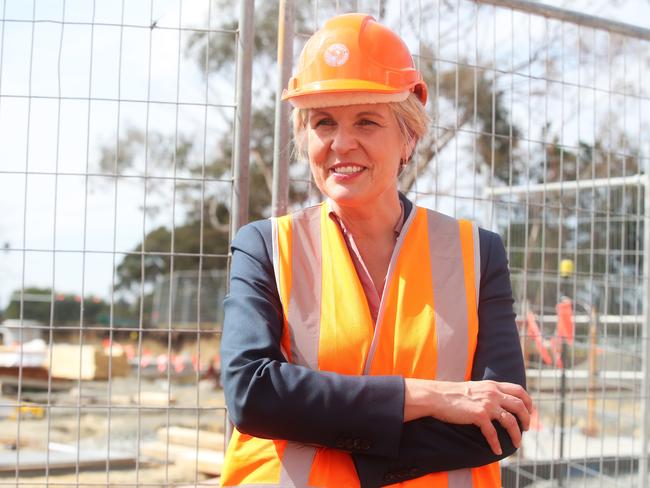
(572, 16)
(633, 180)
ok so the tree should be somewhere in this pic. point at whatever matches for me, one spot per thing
(216, 54)
(37, 305)
(471, 99)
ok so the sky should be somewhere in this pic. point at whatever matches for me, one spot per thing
(67, 89)
(46, 137)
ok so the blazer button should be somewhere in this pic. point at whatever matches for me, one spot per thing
(403, 473)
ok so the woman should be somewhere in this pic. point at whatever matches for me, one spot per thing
(367, 341)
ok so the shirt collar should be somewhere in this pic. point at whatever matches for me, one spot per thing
(398, 226)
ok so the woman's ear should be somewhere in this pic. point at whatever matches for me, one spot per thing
(408, 150)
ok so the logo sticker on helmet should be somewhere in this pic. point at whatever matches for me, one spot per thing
(336, 54)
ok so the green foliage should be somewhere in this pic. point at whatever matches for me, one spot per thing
(37, 305)
(156, 257)
(469, 99)
(206, 221)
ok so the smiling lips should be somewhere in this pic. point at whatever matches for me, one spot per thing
(347, 169)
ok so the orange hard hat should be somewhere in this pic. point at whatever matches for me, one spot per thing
(354, 59)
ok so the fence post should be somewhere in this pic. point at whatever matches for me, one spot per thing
(281, 137)
(645, 380)
(241, 152)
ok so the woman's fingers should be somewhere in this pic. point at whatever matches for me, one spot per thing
(507, 403)
(516, 400)
(509, 422)
(490, 434)
(477, 402)
(518, 391)
(517, 407)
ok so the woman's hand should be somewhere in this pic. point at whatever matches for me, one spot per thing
(471, 402)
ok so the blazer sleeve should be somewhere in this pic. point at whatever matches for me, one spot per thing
(428, 445)
(271, 398)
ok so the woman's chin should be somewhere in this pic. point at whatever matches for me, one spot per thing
(345, 196)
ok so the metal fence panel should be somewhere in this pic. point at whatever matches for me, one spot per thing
(125, 139)
(540, 134)
(117, 147)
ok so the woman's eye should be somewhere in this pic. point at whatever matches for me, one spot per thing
(367, 122)
(324, 122)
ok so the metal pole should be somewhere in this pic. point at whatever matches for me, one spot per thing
(561, 467)
(241, 153)
(645, 380)
(561, 474)
(241, 156)
(280, 197)
(591, 429)
(572, 16)
(632, 180)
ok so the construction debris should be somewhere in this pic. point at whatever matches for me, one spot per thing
(196, 450)
(86, 362)
(204, 484)
(191, 437)
(34, 461)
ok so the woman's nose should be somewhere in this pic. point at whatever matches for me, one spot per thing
(343, 141)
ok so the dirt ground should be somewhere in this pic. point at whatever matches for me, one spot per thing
(124, 416)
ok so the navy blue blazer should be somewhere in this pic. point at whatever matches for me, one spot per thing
(271, 398)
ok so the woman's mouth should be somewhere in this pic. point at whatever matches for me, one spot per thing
(347, 169)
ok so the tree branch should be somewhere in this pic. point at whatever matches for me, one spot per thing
(426, 154)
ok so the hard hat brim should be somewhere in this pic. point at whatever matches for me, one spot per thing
(340, 99)
(332, 93)
(305, 96)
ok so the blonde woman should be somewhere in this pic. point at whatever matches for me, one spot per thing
(368, 341)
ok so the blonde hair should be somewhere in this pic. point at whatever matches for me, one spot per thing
(411, 116)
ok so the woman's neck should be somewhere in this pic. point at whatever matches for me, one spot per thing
(374, 221)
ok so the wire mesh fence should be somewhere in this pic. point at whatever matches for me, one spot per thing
(116, 174)
(129, 135)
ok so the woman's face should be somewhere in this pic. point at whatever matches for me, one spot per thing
(354, 152)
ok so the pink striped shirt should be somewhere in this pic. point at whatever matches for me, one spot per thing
(373, 296)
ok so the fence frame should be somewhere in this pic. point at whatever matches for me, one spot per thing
(281, 163)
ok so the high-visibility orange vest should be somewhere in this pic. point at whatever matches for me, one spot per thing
(426, 328)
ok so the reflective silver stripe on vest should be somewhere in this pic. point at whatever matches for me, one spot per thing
(449, 300)
(305, 295)
(449, 303)
(303, 318)
(296, 465)
(459, 478)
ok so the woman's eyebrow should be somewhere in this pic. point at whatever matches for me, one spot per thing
(371, 113)
(319, 113)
